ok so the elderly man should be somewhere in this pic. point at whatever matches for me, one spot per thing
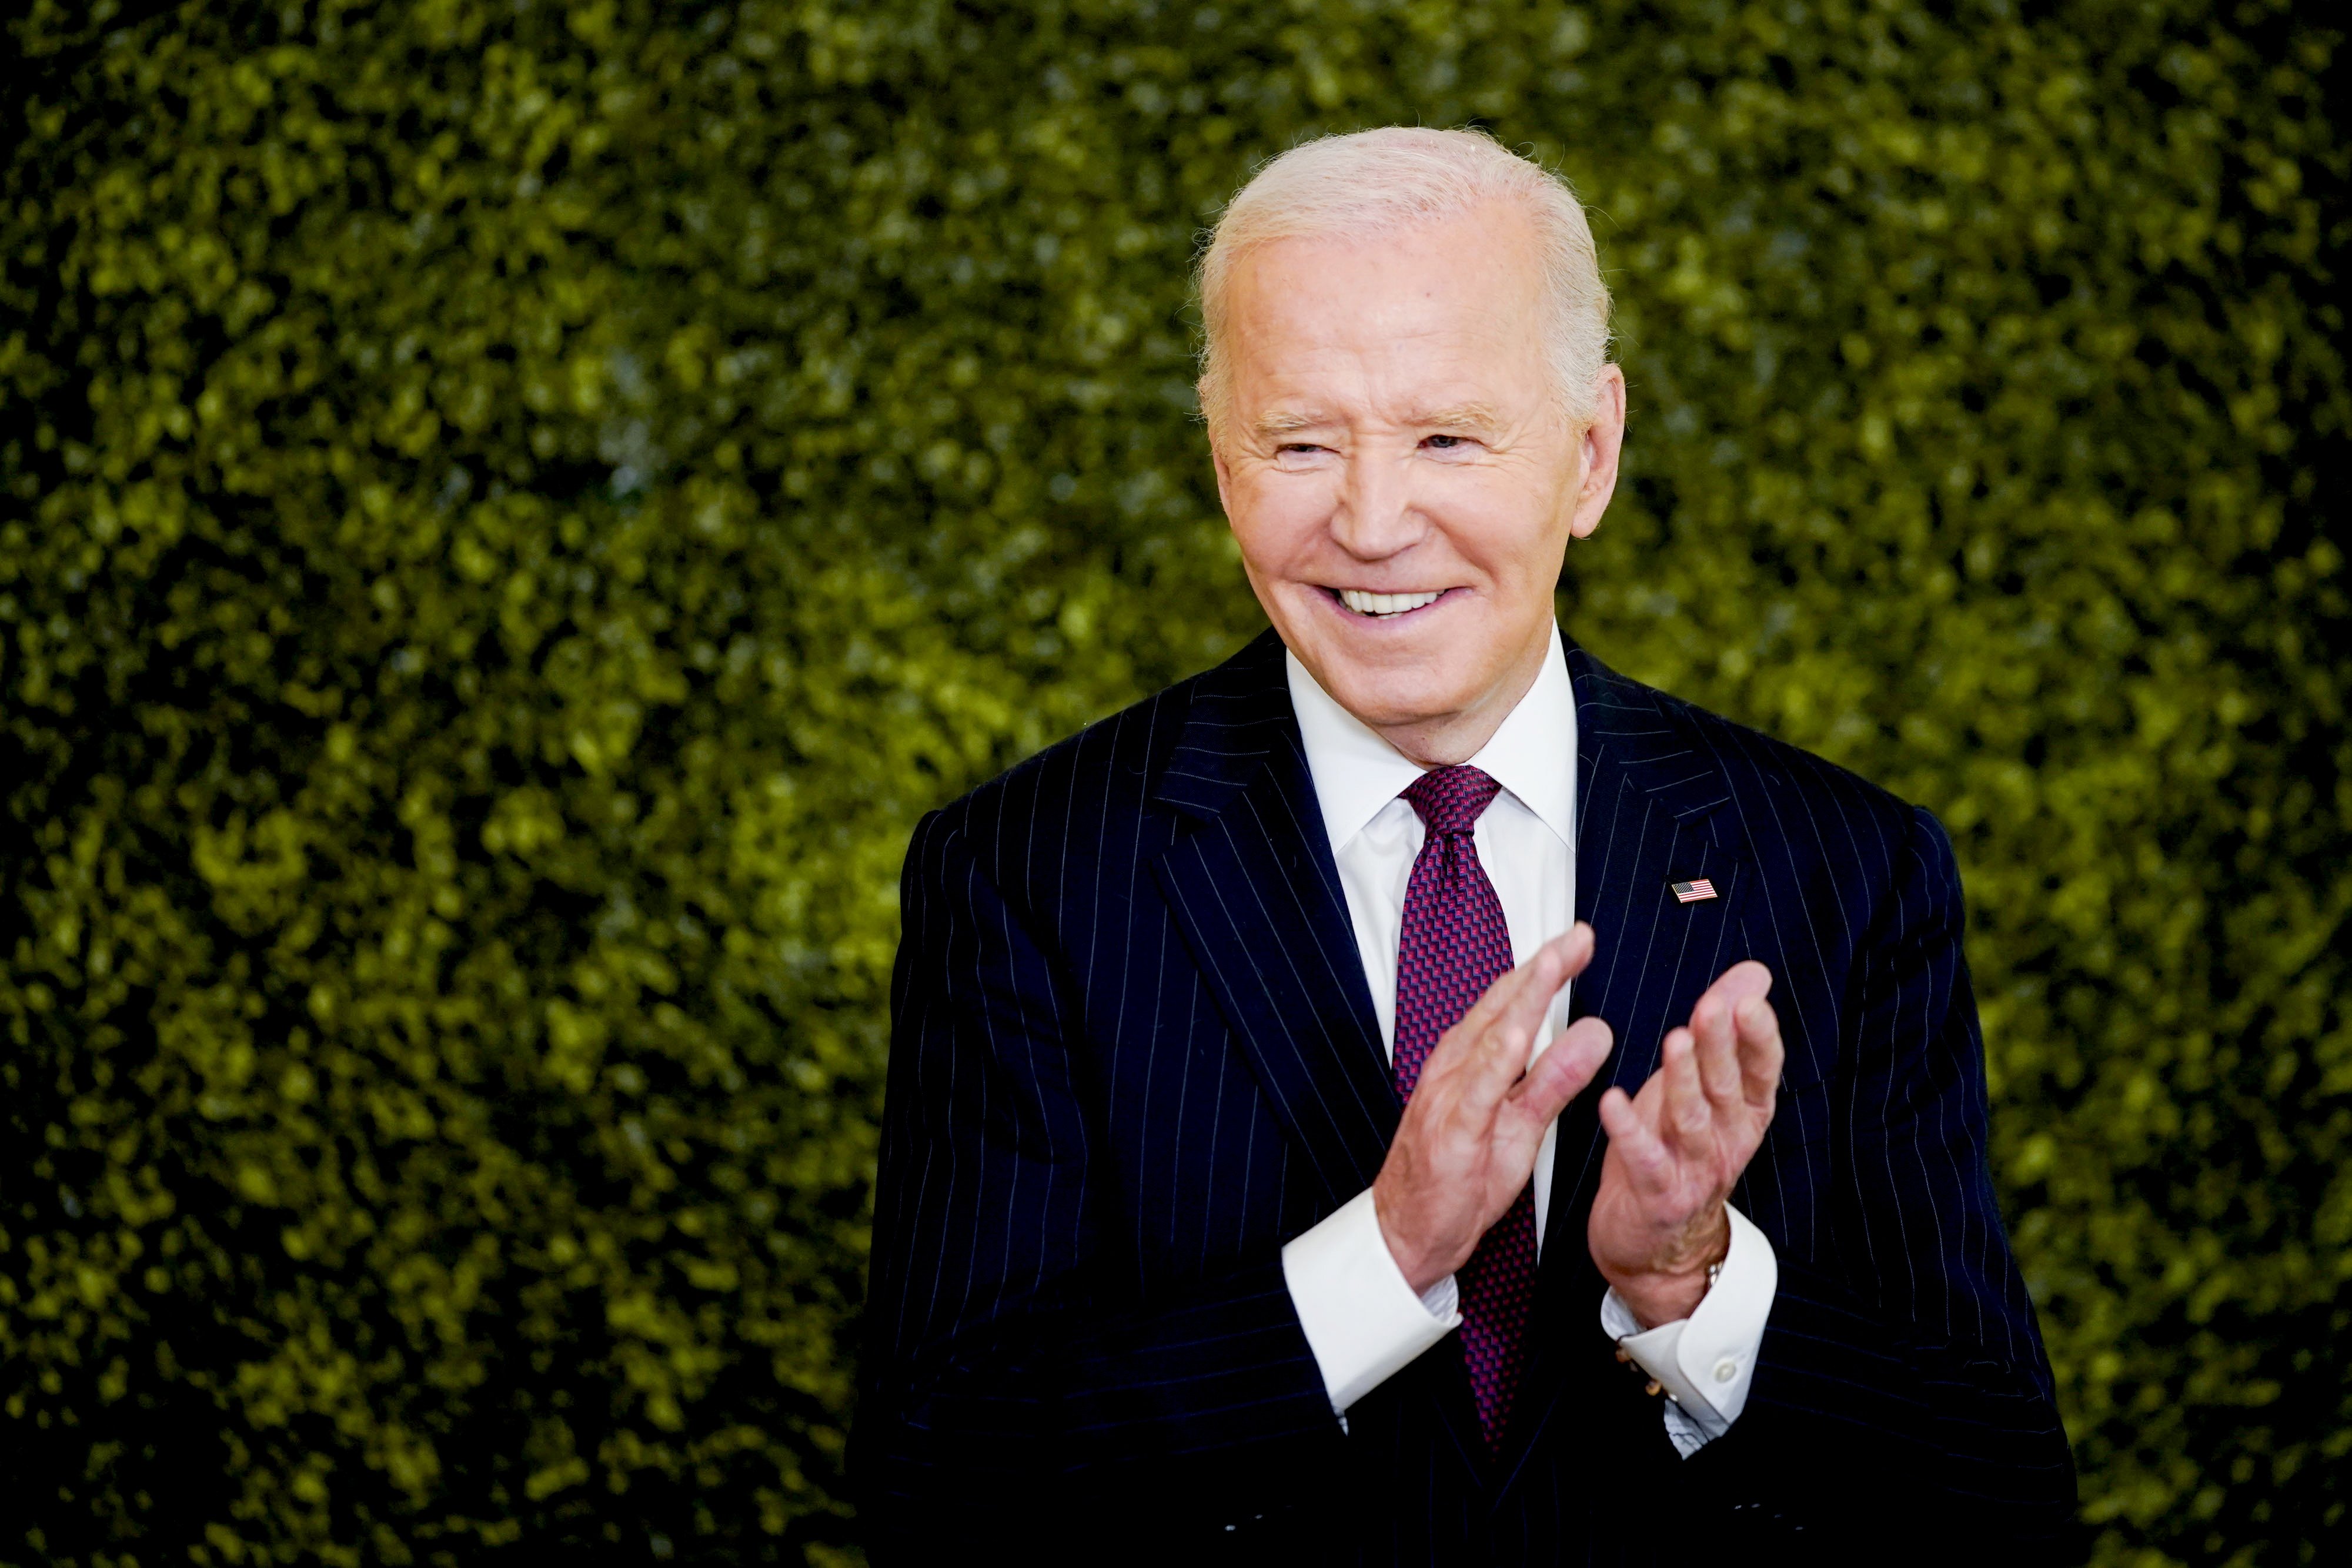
(1411, 1094)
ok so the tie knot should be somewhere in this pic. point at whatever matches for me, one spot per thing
(1449, 800)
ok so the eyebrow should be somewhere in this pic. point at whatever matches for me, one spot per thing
(1287, 422)
(1453, 416)
(1472, 416)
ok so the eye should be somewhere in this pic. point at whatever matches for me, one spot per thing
(1445, 442)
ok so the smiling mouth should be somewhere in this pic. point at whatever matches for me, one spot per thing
(1381, 606)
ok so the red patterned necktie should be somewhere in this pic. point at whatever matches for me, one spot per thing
(1454, 945)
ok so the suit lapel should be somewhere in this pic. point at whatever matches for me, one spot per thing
(1256, 895)
(1646, 798)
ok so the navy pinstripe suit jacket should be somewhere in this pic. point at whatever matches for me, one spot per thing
(1134, 1053)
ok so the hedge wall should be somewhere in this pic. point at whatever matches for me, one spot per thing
(509, 509)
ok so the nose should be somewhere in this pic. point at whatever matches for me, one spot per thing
(1375, 518)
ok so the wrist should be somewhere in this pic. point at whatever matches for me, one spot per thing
(1421, 1267)
(1656, 1299)
(1669, 1287)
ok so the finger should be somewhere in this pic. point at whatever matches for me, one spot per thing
(1717, 1036)
(1561, 1073)
(1685, 1114)
(1469, 1048)
(1712, 1019)
(1634, 1141)
(1761, 1054)
(1544, 970)
(1618, 1117)
(1743, 980)
(1535, 983)
(1553, 964)
(1506, 1037)
(1548, 968)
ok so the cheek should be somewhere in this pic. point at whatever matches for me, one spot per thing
(1495, 524)
(1278, 517)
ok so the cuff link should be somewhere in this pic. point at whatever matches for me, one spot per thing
(1653, 1388)
(1725, 1370)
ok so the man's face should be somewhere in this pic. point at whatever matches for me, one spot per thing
(1399, 472)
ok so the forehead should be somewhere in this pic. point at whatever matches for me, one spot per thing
(1446, 311)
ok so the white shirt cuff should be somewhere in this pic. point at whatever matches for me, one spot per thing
(1363, 1322)
(1706, 1361)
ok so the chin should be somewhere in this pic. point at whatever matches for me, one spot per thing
(1389, 691)
(1411, 670)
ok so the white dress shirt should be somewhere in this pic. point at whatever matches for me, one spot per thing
(1363, 1322)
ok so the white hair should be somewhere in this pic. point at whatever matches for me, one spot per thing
(1370, 182)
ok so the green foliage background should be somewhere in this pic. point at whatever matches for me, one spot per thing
(508, 510)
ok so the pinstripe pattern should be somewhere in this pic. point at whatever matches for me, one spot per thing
(1134, 1053)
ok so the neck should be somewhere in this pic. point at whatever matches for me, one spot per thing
(1457, 737)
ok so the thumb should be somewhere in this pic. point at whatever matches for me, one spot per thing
(1562, 1071)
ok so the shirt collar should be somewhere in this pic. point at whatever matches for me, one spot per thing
(1356, 773)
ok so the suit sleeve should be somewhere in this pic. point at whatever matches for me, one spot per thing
(1008, 1370)
(1911, 1349)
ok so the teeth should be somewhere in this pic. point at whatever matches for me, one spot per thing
(1364, 603)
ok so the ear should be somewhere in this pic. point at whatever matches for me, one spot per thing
(1602, 441)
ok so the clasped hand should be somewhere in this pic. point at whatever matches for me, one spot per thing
(1468, 1139)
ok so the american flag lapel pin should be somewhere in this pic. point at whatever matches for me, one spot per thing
(1693, 891)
